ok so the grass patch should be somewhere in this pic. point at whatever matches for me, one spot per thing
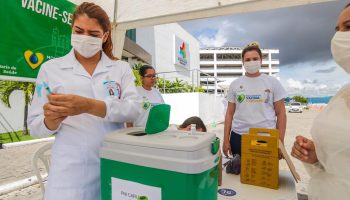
(14, 137)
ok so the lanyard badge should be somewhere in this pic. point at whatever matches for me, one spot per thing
(112, 88)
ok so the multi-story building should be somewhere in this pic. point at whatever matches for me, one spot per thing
(174, 51)
(225, 63)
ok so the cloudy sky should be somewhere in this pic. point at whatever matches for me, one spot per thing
(302, 34)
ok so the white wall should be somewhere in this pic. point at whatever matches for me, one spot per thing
(184, 105)
(146, 39)
(15, 114)
(211, 108)
(160, 45)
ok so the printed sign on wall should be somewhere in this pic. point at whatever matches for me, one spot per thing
(32, 32)
(182, 53)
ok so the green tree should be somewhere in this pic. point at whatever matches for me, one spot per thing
(6, 89)
(135, 70)
(161, 84)
(177, 86)
(199, 89)
(300, 99)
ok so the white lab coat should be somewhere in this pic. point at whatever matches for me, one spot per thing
(330, 178)
(75, 164)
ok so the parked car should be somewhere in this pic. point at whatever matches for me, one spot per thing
(295, 107)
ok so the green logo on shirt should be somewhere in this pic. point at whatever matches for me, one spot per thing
(145, 103)
(240, 98)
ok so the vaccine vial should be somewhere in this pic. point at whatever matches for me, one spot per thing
(193, 129)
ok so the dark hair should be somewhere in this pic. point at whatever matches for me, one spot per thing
(194, 120)
(94, 11)
(347, 5)
(252, 47)
(143, 69)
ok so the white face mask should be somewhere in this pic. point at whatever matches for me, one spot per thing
(86, 46)
(252, 66)
(340, 47)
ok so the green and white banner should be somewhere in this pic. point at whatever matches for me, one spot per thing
(32, 31)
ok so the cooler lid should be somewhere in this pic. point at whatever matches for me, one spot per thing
(169, 139)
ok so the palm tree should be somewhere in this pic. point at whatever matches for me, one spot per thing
(6, 89)
(135, 70)
(178, 85)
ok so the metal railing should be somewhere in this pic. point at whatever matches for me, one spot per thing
(192, 77)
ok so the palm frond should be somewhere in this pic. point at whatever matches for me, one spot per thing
(7, 87)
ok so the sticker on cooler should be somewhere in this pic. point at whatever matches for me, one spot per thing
(126, 190)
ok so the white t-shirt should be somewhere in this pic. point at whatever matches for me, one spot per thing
(254, 98)
(149, 98)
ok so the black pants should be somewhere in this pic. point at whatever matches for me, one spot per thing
(236, 143)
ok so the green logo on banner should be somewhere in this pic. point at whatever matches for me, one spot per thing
(34, 31)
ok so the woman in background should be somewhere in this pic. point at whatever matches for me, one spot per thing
(255, 100)
(150, 95)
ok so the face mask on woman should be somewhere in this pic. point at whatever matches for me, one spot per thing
(340, 47)
(252, 66)
(86, 46)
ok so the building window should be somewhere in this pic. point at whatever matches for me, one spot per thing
(265, 56)
(131, 34)
(206, 57)
(230, 67)
(228, 57)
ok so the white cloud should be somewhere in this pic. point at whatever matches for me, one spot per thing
(217, 41)
(302, 79)
(306, 85)
(294, 84)
(311, 88)
(222, 35)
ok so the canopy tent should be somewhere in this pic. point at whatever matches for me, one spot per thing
(52, 25)
(129, 14)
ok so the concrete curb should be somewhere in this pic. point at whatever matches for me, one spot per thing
(17, 144)
(17, 185)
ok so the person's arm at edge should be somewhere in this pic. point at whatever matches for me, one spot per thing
(231, 107)
(281, 123)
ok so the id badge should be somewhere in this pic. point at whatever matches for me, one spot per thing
(112, 89)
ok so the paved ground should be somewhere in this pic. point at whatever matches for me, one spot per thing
(15, 163)
(29, 193)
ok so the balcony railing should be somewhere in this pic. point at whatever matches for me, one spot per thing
(196, 77)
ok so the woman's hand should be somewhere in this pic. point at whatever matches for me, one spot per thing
(304, 150)
(280, 155)
(69, 104)
(52, 118)
(227, 148)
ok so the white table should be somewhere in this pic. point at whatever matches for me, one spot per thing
(286, 189)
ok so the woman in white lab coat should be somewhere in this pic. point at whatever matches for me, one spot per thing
(79, 98)
(327, 156)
